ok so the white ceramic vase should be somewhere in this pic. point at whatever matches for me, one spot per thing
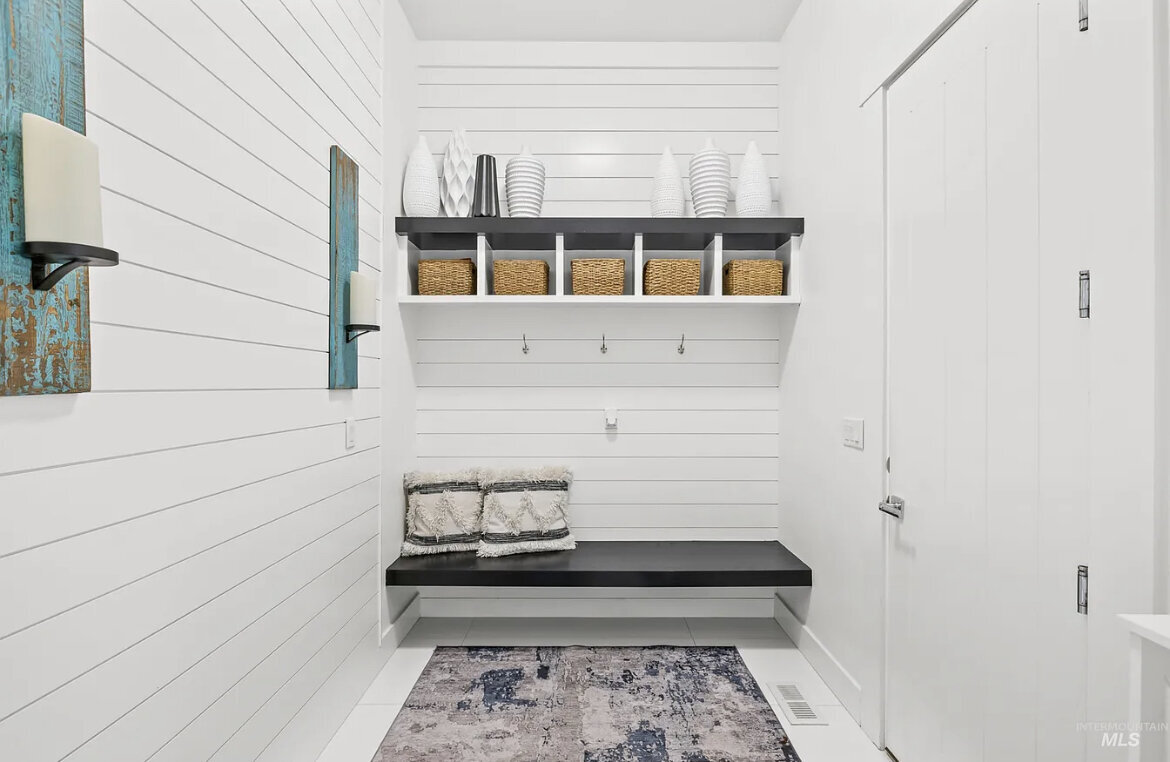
(753, 193)
(524, 184)
(458, 182)
(420, 183)
(667, 199)
(710, 181)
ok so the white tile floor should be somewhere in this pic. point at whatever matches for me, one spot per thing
(766, 650)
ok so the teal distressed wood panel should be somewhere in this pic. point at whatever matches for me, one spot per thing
(343, 259)
(44, 335)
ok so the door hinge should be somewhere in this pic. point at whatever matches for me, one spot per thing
(1084, 293)
(1084, 15)
(1082, 590)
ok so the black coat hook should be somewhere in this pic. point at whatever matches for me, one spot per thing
(682, 345)
(604, 349)
(525, 343)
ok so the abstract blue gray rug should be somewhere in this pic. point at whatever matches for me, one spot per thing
(656, 704)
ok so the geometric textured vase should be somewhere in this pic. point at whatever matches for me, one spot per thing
(457, 185)
(710, 181)
(667, 198)
(524, 184)
(420, 183)
(753, 194)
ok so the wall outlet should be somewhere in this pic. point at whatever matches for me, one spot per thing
(350, 433)
(853, 433)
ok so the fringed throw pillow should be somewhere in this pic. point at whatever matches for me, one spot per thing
(526, 511)
(442, 512)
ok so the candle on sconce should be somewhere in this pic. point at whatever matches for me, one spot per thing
(363, 300)
(62, 191)
(62, 202)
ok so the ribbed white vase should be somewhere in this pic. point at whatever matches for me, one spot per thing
(524, 184)
(753, 193)
(420, 183)
(667, 199)
(457, 184)
(710, 181)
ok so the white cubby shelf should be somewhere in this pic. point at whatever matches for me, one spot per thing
(559, 240)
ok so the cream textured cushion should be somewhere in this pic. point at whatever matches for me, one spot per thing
(442, 512)
(526, 511)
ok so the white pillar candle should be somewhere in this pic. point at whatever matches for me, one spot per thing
(363, 299)
(62, 190)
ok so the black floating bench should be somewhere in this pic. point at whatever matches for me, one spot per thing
(614, 564)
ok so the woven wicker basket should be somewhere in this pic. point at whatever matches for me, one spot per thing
(599, 277)
(446, 277)
(520, 277)
(671, 277)
(753, 277)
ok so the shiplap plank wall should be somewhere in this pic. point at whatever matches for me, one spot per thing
(192, 550)
(695, 456)
(599, 114)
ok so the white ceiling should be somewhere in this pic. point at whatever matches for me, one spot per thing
(601, 20)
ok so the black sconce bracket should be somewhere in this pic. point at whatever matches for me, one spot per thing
(353, 330)
(70, 256)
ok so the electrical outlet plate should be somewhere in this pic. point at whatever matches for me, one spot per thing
(853, 433)
(350, 433)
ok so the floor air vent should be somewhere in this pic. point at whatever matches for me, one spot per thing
(796, 707)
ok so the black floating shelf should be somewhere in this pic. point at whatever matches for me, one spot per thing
(598, 233)
(614, 564)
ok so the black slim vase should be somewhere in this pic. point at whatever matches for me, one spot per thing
(486, 202)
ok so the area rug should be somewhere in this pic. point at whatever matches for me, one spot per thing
(656, 704)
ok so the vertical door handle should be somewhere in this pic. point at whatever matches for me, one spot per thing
(893, 505)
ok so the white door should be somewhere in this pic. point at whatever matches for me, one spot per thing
(969, 593)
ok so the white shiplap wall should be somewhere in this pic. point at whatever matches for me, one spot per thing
(695, 456)
(189, 552)
(599, 114)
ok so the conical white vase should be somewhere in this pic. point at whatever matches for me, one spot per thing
(710, 181)
(753, 193)
(457, 185)
(667, 199)
(420, 183)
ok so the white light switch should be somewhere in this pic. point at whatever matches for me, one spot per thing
(350, 433)
(611, 419)
(853, 433)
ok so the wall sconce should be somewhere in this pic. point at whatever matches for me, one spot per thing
(363, 306)
(62, 202)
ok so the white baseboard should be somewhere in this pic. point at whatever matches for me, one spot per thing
(592, 607)
(840, 682)
(397, 630)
